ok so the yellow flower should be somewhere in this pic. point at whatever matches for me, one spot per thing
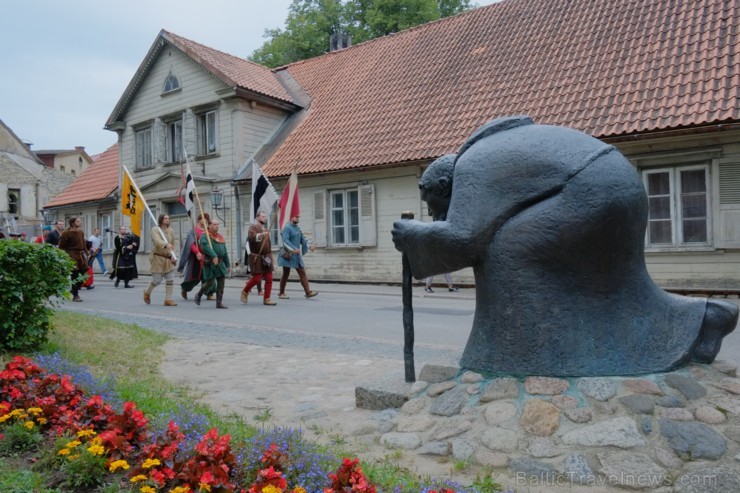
(119, 464)
(271, 489)
(183, 489)
(73, 457)
(137, 478)
(97, 441)
(64, 451)
(147, 489)
(150, 463)
(96, 449)
(204, 487)
(29, 425)
(16, 412)
(4, 418)
(86, 433)
(299, 489)
(74, 443)
(35, 410)
(41, 421)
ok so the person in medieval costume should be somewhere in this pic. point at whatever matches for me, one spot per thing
(161, 261)
(216, 264)
(126, 246)
(72, 241)
(191, 259)
(294, 248)
(261, 262)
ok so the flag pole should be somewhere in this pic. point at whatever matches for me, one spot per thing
(146, 206)
(197, 200)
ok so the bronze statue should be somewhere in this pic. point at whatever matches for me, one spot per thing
(553, 223)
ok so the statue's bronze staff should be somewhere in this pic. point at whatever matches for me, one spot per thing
(408, 314)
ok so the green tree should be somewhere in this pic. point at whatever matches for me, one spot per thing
(310, 23)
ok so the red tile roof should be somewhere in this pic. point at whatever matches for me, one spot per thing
(605, 67)
(97, 182)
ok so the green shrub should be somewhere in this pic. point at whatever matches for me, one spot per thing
(31, 276)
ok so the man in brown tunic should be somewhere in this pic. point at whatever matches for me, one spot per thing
(260, 258)
(72, 241)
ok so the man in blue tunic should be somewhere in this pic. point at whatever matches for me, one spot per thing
(294, 248)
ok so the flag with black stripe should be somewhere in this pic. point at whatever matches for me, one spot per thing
(264, 195)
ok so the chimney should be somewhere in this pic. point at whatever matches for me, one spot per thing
(80, 148)
(339, 41)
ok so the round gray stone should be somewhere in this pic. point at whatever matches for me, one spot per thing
(500, 388)
(601, 389)
(689, 387)
(406, 441)
(670, 401)
(462, 449)
(619, 432)
(500, 440)
(693, 440)
(450, 402)
(434, 448)
(638, 403)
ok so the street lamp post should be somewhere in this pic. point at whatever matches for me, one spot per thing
(49, 216)
(217, 198)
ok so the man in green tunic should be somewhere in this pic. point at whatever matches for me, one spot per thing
(216, 264)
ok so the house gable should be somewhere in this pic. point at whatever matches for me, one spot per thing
(248, 78)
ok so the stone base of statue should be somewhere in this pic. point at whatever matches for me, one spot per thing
(678, 430)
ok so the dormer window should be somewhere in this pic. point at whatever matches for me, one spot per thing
(172, 83)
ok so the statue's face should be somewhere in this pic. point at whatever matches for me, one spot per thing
(437, 203)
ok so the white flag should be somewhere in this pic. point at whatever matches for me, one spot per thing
(189, 190)
(264, 195)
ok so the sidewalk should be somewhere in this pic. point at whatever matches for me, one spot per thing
(351, 288)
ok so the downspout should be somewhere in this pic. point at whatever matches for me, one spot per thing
(238, 212)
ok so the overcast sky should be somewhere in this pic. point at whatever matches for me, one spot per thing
(65, 63)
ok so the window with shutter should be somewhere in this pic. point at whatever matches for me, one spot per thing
(346, 217)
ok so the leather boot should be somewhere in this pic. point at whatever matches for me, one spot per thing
(283, 282)
(219, 301)
(304, 283)
(198, 297)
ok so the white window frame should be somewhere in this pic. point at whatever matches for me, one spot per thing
(676, 212)
(171, 84)
(345, 211)
(174, 141)
(208, 133)
(144, 150)
(106, 223)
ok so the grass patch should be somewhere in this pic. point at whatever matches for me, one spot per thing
(107, 347)
(17, 477)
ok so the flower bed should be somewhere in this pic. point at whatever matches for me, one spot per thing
(91, 431)
(92, 439)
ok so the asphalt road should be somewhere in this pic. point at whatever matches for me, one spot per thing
(343, 318)
(362, 319)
